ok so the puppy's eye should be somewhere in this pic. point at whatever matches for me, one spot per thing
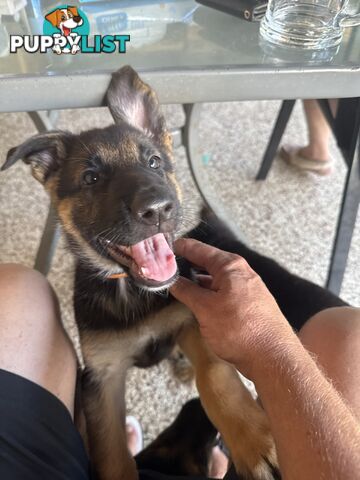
(154, 161)
(63, 18)
(90, 177)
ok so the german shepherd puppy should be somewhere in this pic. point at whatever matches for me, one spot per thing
(119, 204)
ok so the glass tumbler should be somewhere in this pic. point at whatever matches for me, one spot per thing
(310, 24)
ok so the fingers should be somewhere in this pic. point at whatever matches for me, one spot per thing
(204, 281)
(202, 255)
(189, 293)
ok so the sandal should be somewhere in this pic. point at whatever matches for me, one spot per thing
(291, 156)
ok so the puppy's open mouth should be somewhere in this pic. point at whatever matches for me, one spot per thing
(152, 259)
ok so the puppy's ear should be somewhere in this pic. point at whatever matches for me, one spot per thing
(53, 17)
(44, 153)
(132, 101)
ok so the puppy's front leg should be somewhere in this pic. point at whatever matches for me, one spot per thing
(105, 419)
(240, 420)
(103, 391)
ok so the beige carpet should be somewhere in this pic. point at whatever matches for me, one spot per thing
(290, 217)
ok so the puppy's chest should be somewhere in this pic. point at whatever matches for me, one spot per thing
(146, 340)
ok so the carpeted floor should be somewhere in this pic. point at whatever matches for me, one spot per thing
(290, 217)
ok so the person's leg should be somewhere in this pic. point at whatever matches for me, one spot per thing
(315, 156)
(333, 336)
(318, 133)
(33, 343)
(38, 438)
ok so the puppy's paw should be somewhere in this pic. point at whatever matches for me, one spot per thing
(75, 49)
(56, 49)
(181, 366)
(265, 468)
(254, 454)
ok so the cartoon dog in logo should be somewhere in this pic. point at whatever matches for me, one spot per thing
(65, 19)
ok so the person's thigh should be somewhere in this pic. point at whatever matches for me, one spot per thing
(38, 367)
(333, 336)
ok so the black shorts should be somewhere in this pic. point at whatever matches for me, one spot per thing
(38, 439)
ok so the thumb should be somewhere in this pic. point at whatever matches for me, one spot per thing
(189, 293)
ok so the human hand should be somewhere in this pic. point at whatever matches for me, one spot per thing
(238, 317)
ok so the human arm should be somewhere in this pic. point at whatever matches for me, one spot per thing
(315, 432)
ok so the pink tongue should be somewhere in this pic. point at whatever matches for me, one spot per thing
(154, 258)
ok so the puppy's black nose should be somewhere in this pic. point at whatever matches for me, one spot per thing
(77, 19)
(154, 212)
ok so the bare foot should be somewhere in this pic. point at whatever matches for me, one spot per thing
(218, 463)
(133, 435)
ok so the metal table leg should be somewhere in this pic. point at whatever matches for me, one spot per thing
(177, 139)
(346, 224)
(191, 142)
(48, 242)
(43, 123)
(287, 107)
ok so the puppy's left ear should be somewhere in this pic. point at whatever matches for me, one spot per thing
(132, 101)
(43, 152)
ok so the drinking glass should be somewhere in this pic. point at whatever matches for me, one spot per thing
(310, 24)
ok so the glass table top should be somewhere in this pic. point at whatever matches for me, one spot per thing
(171, 35)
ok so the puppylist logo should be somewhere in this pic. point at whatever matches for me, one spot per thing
(66, 30)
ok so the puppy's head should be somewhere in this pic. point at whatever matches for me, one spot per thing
(114, 188)
(69, 17)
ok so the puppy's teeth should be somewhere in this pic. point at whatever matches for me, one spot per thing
(144, 271)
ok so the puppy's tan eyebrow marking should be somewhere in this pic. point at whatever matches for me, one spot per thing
(130, 149)
(125, 153)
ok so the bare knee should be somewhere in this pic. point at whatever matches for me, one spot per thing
(29, 309)
(333, 336)
(334, 326)
(14, 273)
(33, 343)
(16, 270)
(25, 297)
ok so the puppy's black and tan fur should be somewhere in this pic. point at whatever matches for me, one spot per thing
(113, 188)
